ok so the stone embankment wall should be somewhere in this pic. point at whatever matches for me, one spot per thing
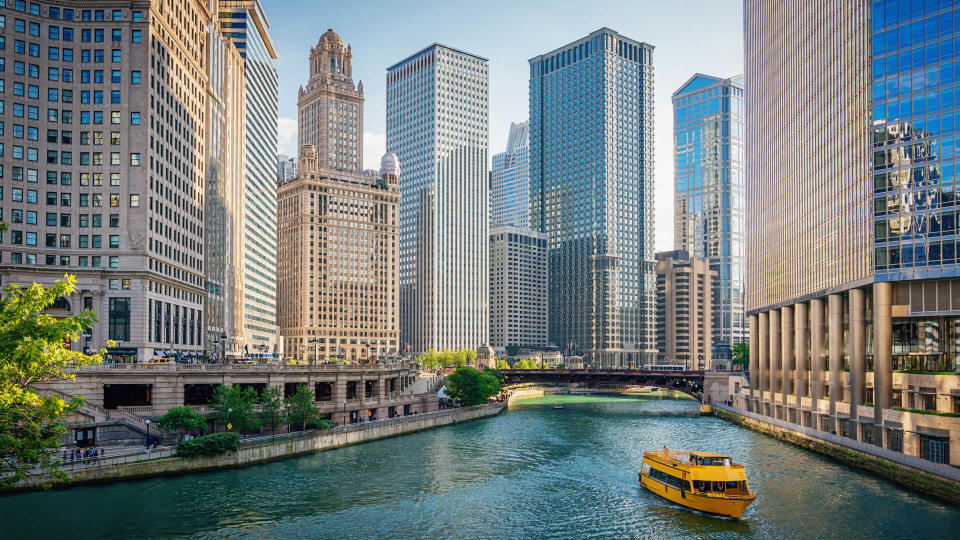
(934, 479)
(283, 447)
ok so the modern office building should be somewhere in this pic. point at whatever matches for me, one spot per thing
(851, 256)
(510, 180)
(684, 311)
(330, 108)
(286, 168)
(223, 220)
(518, 289)
(244, 22)
(591, 185)
(337, 277)
(437, 125)
(709, 196)
(121, 103)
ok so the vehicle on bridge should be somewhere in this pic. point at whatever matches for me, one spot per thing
(665, 367)
(703, 481)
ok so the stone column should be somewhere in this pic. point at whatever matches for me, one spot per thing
(754, 356)
(800, 325)
(858, 349)
(835, 335)
(774, 353)
(882, 349)
(763, 351)
(816, 352)
(786, 353)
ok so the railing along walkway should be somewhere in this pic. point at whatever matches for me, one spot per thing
(939, 469)
(247, 442)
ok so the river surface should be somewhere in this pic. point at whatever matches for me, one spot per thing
(530, 472)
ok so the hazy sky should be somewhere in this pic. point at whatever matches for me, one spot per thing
(690, 36)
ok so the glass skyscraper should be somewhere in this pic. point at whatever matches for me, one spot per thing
(510, 180)
(591, 186)
(244, 22)
(437, 125)
(708, 206)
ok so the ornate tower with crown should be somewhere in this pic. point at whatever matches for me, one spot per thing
(330, 107)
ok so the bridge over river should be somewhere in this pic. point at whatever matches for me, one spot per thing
(688, 382)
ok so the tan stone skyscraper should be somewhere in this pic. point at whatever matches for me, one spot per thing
(337, 272)
(330, 108)
(337, 233)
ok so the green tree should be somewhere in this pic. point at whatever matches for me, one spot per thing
(502, 364)
(234, 406)
(471, 357)
(182, 419)
(271, 408)
(33, 350)
(302, 408)
(741, 354)
(472, 386)
(496, 373)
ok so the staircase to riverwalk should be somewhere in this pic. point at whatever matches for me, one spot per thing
(98, 413)
(428, 383)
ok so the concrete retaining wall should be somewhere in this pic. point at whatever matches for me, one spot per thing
(941, 481)
(282, 448)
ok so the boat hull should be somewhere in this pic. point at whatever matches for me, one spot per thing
(731, 507)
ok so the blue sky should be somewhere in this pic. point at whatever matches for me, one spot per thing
(689, 36)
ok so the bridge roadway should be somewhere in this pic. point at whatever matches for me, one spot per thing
(688, 382)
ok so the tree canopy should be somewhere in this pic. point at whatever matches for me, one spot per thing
(271, 408)
(302, 408)
(234, 406)
(33, 350)
(182, 419)
(433, 359)
(741, 353)
(471, 386)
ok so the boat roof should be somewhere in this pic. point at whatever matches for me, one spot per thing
(708, 454)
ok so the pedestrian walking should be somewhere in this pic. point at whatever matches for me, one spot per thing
(64, 455)
(71, 455)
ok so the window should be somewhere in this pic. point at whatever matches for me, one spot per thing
(115, 96)
(137, 16)
(117, 15)
(135, 77)
(114, 241)
(96, 241)
(135, 159)
(116, 35)
(114, 117)
(114, 262)
(119, 317)
(114, 179)
(134, 200)
(135, 118)
(97, 35)
(115, 75)
(117, 55)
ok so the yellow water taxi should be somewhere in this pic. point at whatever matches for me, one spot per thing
(703, 481)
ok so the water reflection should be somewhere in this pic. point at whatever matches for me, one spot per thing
(532, 472)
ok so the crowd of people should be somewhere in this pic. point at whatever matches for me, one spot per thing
(80, 454)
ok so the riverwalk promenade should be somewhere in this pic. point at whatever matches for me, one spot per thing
(259, 449)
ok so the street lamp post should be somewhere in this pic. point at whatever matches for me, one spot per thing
(344, 412)
(148, 434)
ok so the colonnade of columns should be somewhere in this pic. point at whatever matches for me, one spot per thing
(791, 345)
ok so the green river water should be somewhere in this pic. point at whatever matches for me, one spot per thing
(530, 472)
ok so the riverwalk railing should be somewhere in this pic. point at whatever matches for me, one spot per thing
(939, 469)
(242, 368)
(115, 458)
(268, 439)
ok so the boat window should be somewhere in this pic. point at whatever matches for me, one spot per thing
(732, 485)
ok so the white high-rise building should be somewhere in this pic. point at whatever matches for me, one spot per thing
(286, 168)
(518, 288)
(437, 125)
(510, 180)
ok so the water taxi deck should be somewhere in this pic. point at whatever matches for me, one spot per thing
(704, 481)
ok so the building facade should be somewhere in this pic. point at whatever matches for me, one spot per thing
(510, 180)
(518, 289)
(245, 24)
(685, 311)
(330, 108)
(286, 168)
(709, 192)
(851, 266)
(437, 125)
(223, 221)
(122, 202)
(591, 185)
(338, 262)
